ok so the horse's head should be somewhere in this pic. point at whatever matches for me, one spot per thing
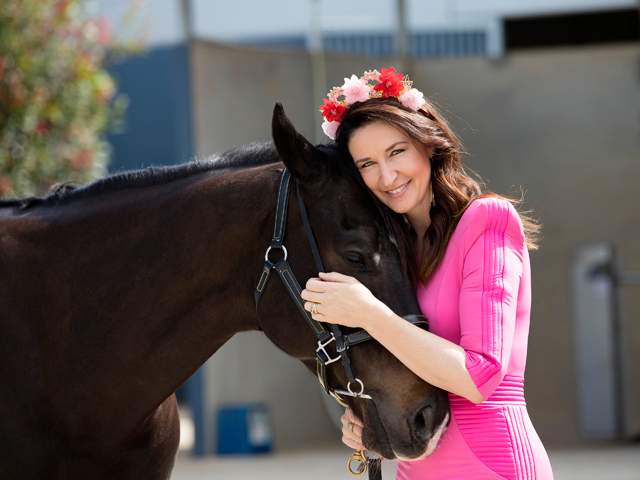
(406, 415)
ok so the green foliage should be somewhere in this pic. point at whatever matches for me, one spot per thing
(56, 98)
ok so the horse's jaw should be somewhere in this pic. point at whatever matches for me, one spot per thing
(433, 442)
(391, 437)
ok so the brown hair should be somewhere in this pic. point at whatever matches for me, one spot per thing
(454, 189)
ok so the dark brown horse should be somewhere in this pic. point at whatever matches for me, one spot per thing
(112, 295)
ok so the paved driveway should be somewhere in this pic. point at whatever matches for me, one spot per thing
(594, 463)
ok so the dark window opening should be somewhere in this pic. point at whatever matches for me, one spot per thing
(577, 29)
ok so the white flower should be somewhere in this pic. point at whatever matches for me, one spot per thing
(330, 128)
(355, 90)
(413, 99)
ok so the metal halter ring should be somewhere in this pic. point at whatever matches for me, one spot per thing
(361, 388)
(266, 255)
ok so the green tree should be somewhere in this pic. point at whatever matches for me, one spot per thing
(57, 100)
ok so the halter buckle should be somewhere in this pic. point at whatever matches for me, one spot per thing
(322, 353)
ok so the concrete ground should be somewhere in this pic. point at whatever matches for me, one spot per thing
(610, 462)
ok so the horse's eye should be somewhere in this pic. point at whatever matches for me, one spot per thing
(354, 258)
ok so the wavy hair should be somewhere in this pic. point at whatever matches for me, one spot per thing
(454, 189)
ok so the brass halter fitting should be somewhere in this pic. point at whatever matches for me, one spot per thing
(358, 456)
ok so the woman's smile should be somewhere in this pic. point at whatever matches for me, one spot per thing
(398, 191)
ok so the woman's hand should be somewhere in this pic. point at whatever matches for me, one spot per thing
(341, 299)
(352, 430)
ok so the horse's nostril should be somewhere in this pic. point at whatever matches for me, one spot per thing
(424, 424)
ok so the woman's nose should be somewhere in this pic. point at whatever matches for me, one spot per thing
(388, 177)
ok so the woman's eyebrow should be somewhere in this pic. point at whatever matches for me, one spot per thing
(395, 145)
(387, 150)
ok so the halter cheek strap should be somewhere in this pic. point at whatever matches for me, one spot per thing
(324, 334)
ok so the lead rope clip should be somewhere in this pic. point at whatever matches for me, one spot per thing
(358, 456)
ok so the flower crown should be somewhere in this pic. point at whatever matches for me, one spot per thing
(389, 84)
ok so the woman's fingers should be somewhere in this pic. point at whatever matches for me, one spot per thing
(353, 444)
(352, 429)
(316, 285)
(337, 277)
(349, 416)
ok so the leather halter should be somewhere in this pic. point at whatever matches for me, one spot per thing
(323, 333)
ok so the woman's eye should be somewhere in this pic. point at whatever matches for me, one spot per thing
(354, 258)
(397, 151)
(366, 164)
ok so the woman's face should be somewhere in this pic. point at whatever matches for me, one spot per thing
(395, 170)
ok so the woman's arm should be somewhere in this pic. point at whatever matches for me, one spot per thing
(492, 246)
(436, 360)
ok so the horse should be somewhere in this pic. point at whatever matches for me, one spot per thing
(113, 294)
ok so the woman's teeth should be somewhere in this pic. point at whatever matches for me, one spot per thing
(399, 189)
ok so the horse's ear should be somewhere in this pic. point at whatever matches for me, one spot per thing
(297, 153)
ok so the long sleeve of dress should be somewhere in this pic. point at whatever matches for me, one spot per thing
(493, 243)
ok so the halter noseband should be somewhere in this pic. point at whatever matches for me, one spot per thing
(324, 335)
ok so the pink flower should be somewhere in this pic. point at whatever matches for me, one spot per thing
(413, 99)
(104, 31)
(330, 129)
(355, 90)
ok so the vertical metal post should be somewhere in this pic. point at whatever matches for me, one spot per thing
(318, 66)
(600, 333)
(194, 386)
(187, 24)
(595, 340)
(402, 38)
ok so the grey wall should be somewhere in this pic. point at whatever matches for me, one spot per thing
(563, 125)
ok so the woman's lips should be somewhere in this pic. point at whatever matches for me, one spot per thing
(398, 192)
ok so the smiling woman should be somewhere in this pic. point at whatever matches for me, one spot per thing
(397, 171)
(472, 279)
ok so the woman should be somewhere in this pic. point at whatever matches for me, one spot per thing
(472, 281)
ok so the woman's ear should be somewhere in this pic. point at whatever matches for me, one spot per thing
(301, 158)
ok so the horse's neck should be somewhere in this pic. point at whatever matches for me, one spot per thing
(138, 289)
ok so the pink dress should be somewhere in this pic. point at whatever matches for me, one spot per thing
(480, 299)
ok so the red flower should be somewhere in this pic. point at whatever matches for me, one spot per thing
(390, 83)
(42, 127)
(82, 159)
(332, 111)
(6, 186)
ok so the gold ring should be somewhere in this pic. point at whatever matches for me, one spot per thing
(350, 426)
(314, 308)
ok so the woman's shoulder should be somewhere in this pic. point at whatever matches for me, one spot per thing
(489, 213)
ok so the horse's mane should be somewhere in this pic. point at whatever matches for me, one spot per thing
(253, 155)
(249, 156)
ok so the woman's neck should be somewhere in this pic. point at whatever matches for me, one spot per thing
(420, 226)
(420, 222)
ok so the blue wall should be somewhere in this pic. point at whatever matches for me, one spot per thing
(158, 119)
